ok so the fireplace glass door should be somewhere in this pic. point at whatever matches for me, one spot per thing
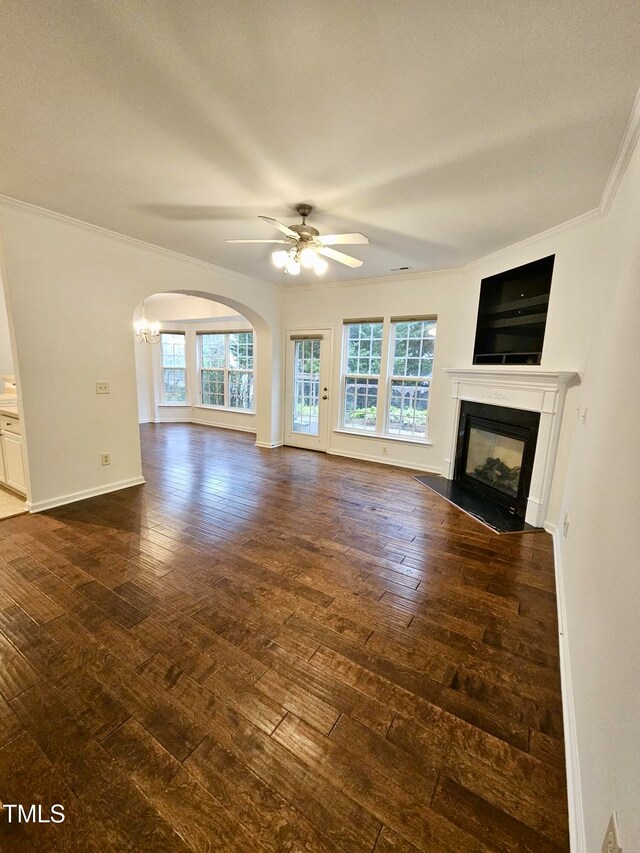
(494, 460)
(495, 453)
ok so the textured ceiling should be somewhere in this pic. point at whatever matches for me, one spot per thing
(443, 131)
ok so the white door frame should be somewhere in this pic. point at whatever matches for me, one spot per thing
(301, 439)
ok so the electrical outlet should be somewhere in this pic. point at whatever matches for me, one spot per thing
(102, 387)
(611, 843)
(105, 459)
(385, 450)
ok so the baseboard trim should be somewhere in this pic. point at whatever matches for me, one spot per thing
(269, 445)
(62, 500)
(578, 842)
(366, 457)
(200, 422)
(221, 426)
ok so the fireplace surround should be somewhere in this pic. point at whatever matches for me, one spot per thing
(524, 390)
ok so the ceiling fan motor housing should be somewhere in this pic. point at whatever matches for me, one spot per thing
(305, 232)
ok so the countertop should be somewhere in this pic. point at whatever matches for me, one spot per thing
(8, 406)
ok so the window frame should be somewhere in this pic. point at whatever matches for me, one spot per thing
(184, 369)
(226, 370)
(384, 378)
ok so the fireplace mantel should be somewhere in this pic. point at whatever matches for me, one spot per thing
(531, 389)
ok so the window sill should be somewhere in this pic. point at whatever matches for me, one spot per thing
(422, 442)
(226, 409)
(174, 406)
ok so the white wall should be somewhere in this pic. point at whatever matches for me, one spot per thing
(600, 557)
(6, 358)
(175, 306)
(73, 292)
(144, 383)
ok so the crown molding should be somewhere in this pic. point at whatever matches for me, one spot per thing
(625, 152)
(576, 222)
(71, 222)
(360, 282)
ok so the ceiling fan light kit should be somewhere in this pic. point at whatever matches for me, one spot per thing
(307, 246)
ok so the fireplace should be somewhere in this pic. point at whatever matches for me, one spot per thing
(528, 398)
(495, 452)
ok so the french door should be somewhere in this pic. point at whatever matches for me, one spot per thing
(307, 391)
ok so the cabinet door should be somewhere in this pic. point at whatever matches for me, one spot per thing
(12, 445)
(3, 474)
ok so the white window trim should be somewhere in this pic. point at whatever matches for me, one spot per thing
(384, 385)
(401, 439)
(225, 371)
(175, 403)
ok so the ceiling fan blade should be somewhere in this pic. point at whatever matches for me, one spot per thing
(335, 239)
(286, 242)
(347, 260)
(285, 229)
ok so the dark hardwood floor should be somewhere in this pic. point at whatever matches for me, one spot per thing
(277, 650)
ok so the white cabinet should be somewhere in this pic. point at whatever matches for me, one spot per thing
(11, 464)
(14, 469)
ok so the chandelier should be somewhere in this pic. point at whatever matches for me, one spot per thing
(292, 260)
(146, 332)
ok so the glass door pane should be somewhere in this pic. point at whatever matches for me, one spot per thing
(306, 386)
(495, 459)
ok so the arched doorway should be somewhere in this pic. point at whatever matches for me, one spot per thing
(192, 314)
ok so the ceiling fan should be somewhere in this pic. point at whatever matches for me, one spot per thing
(306, 245)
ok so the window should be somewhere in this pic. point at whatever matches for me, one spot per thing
(174, 367)
(387, 370)
(363, 357)
(212, 369)
(413, 343)
(226, 369)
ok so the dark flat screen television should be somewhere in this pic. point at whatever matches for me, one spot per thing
(512, 314)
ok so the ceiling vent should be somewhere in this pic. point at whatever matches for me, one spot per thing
(400, 269)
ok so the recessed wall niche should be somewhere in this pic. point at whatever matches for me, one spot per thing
(512, 314)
